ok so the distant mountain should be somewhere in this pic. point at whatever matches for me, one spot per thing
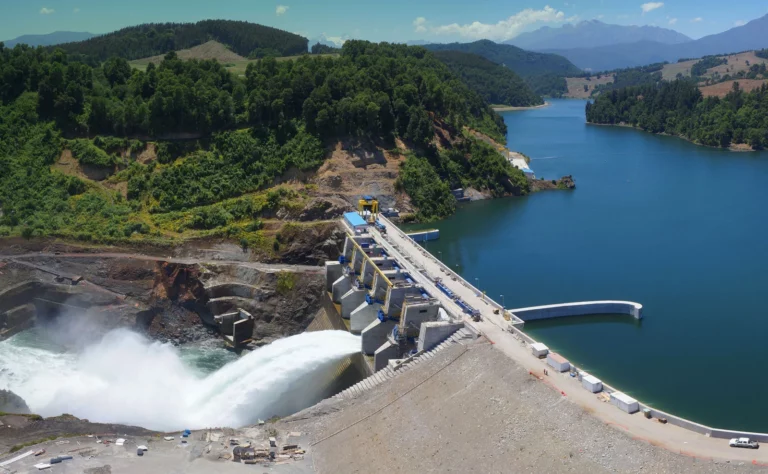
(592, 34)
(332, 41)
(57, 37)
(524, 63)
(417, 42)
(619, 56)
(753, 35)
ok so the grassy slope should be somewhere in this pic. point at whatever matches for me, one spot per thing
(234, 63)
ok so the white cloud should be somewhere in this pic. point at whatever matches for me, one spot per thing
(600, 17)
(739, 23)
(650, 6)
(281, 10)
(46, 11)
(76, 10)
(503, 30)
(419, 24)
(697, 19)
(672, 21)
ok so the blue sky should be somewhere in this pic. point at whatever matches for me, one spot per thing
(377, 20)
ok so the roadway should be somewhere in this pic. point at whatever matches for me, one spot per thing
(495, 329)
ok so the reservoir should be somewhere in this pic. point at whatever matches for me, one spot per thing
(679, 228)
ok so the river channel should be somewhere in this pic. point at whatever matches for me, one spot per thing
(680, 228)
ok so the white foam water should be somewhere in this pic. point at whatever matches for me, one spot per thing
(125, 378)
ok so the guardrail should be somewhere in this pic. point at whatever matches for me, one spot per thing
(453, 274)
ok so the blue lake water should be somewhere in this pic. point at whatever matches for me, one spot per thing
(680, 228)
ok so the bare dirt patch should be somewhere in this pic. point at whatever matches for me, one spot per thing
(358, 168)
(576, 85)
(723, 88)
(209, 50)
(67, 164)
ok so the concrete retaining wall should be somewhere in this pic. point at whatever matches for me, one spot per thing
(433, 333)
(582, 308)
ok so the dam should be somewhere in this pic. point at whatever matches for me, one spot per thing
(466, 306)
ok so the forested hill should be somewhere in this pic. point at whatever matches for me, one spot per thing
(524, 63)
(544, 73)
(496, 84)
(678, 108)
(283, 115)
(154, 39)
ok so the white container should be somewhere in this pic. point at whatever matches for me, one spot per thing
(539, 350)
(593, 384)
(624, 402)
(558, 362)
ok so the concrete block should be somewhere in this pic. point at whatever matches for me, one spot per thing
(340, 288)
(333, 271)
(415, 314)
(431, 334)
(375, 335)
(351, 300)
(384, 354)
(363, 316)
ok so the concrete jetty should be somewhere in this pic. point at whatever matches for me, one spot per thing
(580, 308)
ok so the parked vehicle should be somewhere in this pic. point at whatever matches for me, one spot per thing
(744, 443)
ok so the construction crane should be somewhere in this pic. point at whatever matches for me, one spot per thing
(368, 207)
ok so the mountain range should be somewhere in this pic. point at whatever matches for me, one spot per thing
(592, 34)
(57, 37)
(664, 47)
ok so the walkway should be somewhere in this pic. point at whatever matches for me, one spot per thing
(494, 327)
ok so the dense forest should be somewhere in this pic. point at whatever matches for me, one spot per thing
(319, 48)
(629, 77)
(700, 68)
(678, 108)
(496, 84)
(281, 115)
(154, 39)
(544, 73)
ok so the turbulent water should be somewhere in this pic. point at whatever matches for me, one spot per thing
(126, 378)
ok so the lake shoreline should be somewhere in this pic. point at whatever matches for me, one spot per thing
(509, 108)
(734, 147)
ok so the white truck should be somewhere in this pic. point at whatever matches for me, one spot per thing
(743, 443)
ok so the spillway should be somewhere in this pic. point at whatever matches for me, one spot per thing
(126, 378)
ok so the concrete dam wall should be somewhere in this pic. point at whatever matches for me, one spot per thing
(582, 308)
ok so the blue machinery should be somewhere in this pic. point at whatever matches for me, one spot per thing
(463, 305)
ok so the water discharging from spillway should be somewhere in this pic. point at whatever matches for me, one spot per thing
(125, 378)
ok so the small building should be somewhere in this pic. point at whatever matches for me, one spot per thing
(558, 362)
(593, 384)
(354, 221)
(539, 350)
(624, 402)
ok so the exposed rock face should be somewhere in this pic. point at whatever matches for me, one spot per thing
(12, 403)
(314, 245)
